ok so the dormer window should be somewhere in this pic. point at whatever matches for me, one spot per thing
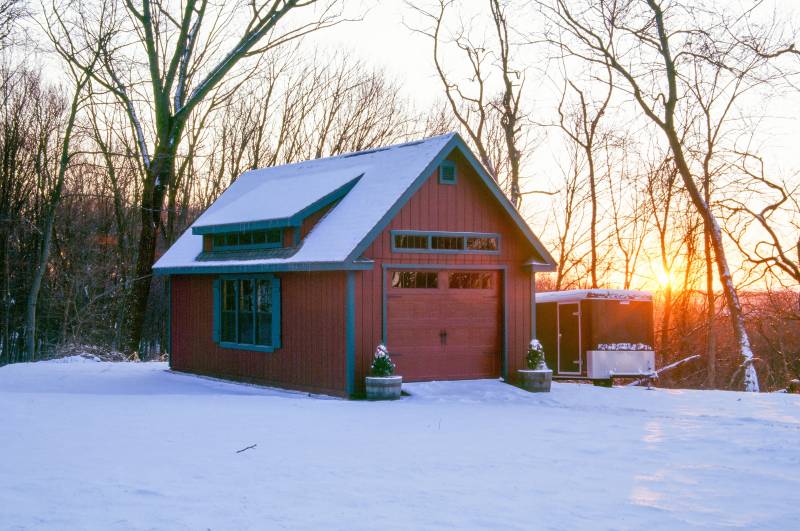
(255, 239)
(447, 172)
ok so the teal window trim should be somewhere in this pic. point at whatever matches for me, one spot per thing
(465, 236)
(447, 172)
(275, 285)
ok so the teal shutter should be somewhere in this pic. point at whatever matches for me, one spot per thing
(217, 303)
(276, 312)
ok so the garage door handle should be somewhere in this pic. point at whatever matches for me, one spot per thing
(443, 337)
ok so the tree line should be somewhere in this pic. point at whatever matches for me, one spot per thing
(654, 122)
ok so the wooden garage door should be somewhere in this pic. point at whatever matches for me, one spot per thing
(444, 324)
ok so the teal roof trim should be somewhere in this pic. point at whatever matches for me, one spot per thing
(264, 268)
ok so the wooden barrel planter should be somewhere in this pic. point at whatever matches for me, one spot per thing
(384, 387)
(535, 380)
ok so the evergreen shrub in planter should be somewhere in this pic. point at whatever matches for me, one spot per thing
(383, 385)
(537, 377)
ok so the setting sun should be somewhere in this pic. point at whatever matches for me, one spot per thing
(663, 277)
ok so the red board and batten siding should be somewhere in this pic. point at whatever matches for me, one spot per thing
(312, 354)
(467, 206)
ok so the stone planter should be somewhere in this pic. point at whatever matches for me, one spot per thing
(384, 387)
(535, 381)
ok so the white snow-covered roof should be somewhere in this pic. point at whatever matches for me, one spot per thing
(259, 196)
(376, 181)
(580, 294)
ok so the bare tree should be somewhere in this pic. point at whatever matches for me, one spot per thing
(80, 77)
(661, 192)
(769, 211)
(10, 13)
(22, 96)
(510, 113)
(629, 214)
(188, 52)
(51, 208)
(492, 123)
(581, 125)
(567, 215)
(604, 34)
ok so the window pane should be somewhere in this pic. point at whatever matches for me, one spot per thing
(415, 279)
(228, 295)
(470, 280)
(264, 329)
(228, 311)
(410, 241)
(228, 331)
(264, 296)
(259, 237)
(447, 172)
(264, 312)
(246, 311)
(274, 236)
(482, 244)
(447, 242)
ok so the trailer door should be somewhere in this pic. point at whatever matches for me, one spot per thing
(569, 338)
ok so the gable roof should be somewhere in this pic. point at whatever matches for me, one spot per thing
(371, 187)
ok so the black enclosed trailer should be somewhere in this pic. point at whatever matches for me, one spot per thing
(596, 333)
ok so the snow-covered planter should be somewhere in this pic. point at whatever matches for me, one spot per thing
(612, 360)
(537, 377)
(383, 384)
(628, 347)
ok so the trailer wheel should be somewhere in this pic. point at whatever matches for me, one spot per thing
(606, 382)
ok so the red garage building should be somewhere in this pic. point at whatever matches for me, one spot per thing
(296, 273)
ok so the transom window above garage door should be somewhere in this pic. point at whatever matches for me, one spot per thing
(445, 242)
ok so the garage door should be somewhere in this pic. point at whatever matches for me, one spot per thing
(444, 324)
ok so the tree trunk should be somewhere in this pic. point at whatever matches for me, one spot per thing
(593, 225)
(5, 297)
(711, 338)
(723, 270)
(666, 319)
(47, 229)
(711, 226)
(160, 173)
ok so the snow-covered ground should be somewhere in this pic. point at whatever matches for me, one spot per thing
(90, 445)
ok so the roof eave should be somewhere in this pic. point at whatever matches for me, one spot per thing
(360, 265)
(540, 267)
